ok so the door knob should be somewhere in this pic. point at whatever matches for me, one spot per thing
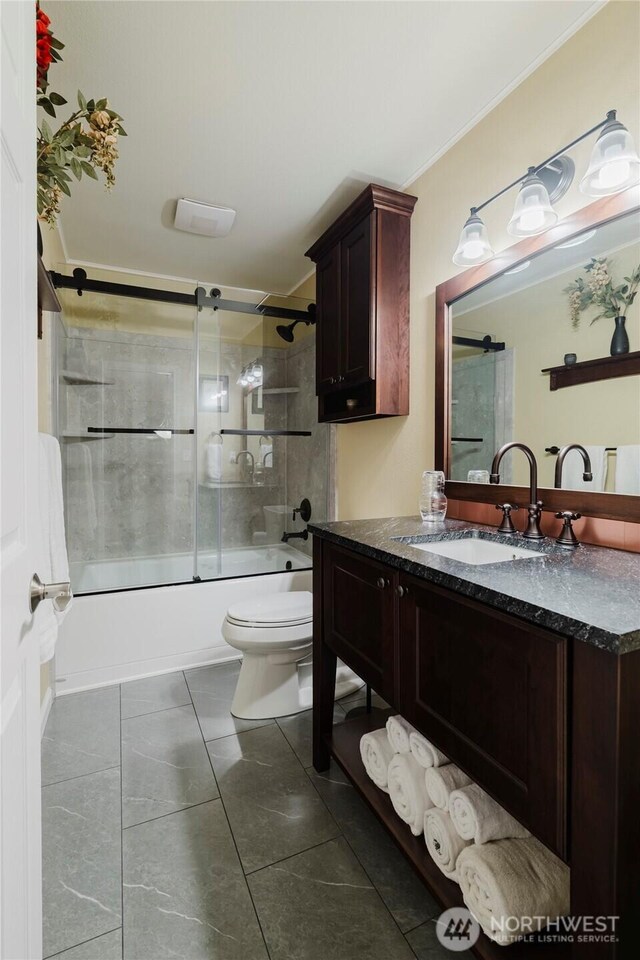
(60, 593)
(402, 591)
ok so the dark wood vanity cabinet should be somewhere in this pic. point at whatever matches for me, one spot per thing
(487, 688)
(546, 723)
(490, 690)
(359, 616)
(362, 309)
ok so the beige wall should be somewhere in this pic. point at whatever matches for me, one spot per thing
(380, 462)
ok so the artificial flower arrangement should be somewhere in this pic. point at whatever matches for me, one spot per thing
(86, 142)
(600, 291)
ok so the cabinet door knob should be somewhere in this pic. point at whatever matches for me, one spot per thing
(402, 591)
(332, 379)
(381, 583)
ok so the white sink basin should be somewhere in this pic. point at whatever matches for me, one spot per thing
(476, 551)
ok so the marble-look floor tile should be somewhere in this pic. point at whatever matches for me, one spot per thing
(426, 946)
(82, 735)
(81, 835)
(106, 947)
(184, 891)
(155, 693)
(407, 898)
(272, 807)
(212, 689)
(298, 729)
(165, 766)
(320, 905)
(359, 699)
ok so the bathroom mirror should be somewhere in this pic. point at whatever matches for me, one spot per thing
(515, 362)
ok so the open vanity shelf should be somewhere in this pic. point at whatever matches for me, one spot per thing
(588, 371)
(345, 748)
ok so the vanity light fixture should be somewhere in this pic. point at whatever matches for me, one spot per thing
(533, 212)
(251, 375)
(614, 166)
(473, 246)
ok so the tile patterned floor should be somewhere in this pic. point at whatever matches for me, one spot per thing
(172, 830)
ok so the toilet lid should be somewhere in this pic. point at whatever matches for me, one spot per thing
(275, 610)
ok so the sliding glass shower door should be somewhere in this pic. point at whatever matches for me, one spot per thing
(125, 383)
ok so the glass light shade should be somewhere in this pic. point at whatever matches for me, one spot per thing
(533, 212)
(615, 164)
(473, 246)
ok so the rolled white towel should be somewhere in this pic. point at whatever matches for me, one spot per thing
(424, 751)
(441, 781)
(376, 754)
(444, 843)
(398, 731)
(476, 816)
(513, 879)
(407, 791)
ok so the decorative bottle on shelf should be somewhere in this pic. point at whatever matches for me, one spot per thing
(620, 339)
(433, 501)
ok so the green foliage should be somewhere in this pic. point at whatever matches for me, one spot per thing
(599, 290)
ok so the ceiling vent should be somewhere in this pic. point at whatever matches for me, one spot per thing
(203, 218)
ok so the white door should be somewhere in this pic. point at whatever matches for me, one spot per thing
(20, 847)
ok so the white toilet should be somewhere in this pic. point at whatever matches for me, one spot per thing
(274, 635)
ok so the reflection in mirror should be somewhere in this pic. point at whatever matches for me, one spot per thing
(556, 310)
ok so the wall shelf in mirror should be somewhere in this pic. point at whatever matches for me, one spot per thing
(588, 371)
(529, 310)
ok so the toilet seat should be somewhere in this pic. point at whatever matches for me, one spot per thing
(275, 611)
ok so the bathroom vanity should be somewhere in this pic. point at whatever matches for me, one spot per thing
(525, 671)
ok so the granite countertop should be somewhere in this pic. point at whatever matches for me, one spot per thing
(590, 593)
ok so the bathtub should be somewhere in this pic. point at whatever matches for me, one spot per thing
(115, 630)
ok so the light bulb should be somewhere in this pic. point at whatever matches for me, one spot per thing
(473, 246)
(532, 212)
(614, 163)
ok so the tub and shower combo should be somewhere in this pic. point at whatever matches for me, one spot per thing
(188, 433)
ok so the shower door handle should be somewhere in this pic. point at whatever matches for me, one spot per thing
(60, 593)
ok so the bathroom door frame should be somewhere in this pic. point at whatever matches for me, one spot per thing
(20, 832)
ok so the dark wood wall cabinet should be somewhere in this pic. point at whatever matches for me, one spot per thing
(362, 309)
(543, 722)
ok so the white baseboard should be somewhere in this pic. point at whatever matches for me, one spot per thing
(45, 710)
(140, 670)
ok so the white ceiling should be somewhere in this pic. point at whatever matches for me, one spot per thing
(282, 110)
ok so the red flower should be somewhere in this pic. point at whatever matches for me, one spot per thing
(41, 15)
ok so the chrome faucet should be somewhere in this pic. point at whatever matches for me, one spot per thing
(247, 453)
(533, 531)
(586, 476)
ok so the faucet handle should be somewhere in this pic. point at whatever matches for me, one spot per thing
(507, 523)
(567, 537)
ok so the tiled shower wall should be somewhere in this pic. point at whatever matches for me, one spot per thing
(127, 495)
(310, 460)
(131, 496)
